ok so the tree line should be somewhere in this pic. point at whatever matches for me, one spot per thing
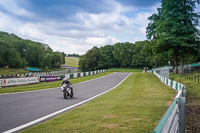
(129, 55)
(73, 55)
(18, 53)
(125, 55)
(173, 36)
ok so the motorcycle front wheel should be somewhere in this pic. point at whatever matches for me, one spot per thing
(65, 94)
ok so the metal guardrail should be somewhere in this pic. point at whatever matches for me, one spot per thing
(173, 120)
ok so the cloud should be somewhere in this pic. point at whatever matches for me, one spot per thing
(12, 7)
(140, 22)
(69, 41)
(75, 29)
(65, 9)
(139, 3)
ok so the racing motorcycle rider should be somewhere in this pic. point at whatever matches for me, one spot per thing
(65, 81)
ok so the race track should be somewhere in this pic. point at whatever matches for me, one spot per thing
(21, 108)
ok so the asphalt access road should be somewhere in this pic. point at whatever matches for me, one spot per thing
(20, 108)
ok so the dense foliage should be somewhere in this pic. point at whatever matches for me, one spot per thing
(73, 55)
(128, 55)
(18, 53)
(173, 31)
(119, 55)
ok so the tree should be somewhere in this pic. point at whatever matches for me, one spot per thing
(89, 61)
(141, 54)
(174, 29)
(106, 58)
(123, 53)
(57, 59)
(16, 52)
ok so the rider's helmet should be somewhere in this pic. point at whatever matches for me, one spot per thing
(64, 79)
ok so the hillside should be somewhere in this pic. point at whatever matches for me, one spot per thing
(16, 52)
(71, 61)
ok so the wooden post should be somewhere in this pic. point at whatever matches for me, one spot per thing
(198, 78)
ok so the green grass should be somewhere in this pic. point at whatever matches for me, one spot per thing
(193, 88)
(45, 85)
(124, 70)
(137, 105)
(71, 61)
(4, 71)
(53, 69)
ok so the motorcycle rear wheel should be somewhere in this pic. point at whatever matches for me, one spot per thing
(72, 95)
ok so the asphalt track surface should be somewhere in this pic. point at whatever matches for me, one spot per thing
(21, 108)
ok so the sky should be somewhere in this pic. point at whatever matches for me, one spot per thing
(75, 26)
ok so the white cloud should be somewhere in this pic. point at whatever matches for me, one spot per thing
(68, 41)
(101, 41)
(140, 22)
(88, 31)
(12, 7)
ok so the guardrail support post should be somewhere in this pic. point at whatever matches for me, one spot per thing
(182, 111)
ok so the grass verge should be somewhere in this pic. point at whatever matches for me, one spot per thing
(8, 71)
(45, 85)
(72, 61)
(124, 70)
(192, 103)
(137, 105)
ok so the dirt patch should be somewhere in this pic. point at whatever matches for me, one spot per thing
(192, 115)
(108, 116)
(109, 125)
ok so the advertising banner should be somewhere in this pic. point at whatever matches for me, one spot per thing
(52, 78)
(75, 75)
(67, 76)
(62, 77)
(18, 81)
(81, 74)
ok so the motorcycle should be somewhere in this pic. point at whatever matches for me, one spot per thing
(67, 91)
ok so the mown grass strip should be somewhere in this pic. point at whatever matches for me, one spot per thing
(137, 105)
(72, 61)
(123, 70)
(45, 85)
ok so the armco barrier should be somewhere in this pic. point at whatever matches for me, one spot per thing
(173, 120)
(83, 74)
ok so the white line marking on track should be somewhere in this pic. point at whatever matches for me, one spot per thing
(60, 111)
(52, 88)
